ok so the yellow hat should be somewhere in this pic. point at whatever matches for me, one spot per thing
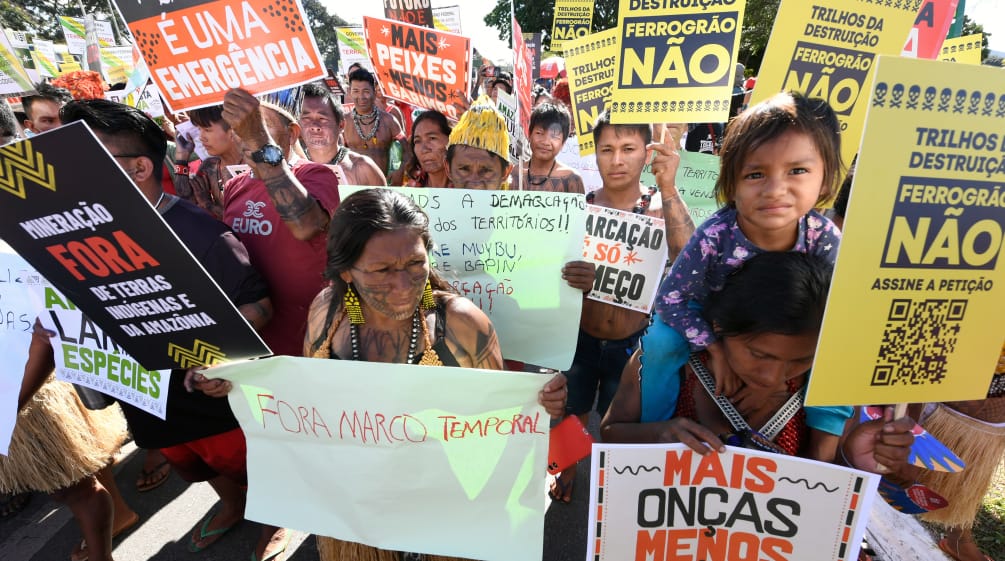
(483, 126)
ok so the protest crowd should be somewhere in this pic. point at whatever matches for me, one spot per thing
(279, 194)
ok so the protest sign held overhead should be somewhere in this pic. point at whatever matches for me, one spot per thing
(420, 66)
(351, 48)
(14, 80)
(113, 255)
(827, 48)
(966, 49)
(197, 50)
(914, 311)
(592, 65)
(448, 18)
(86, 355)
(677, 61)
(669, 503)
(415, 12)
(523, 83)
(630, 253)
(76, 36)
(573, 19)
(503, 250)
(930, 28)
(478, 438)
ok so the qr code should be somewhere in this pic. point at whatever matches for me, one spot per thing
(918, 339)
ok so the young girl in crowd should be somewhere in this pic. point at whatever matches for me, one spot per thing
(779, 160)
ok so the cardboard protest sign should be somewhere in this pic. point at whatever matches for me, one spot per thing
(827, 49)
(966, 49)
(88, 356)
(113, 255)
(73, 31)
(197, 50)
(630, 253)
(914, 311)
(19, 305)
(43, 53)
(930, 28)
(351, 48)
(420, 66)
(447, 18)
(665, 502)
(677, 61)
(573, 19)
(592, 65)
(14, 80)
(415, 12)
(504, 250)
(474, 442)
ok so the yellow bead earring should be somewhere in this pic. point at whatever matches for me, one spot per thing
(352, 306)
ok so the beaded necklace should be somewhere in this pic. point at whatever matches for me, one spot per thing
(640, 206)
(339, 156)
(429, 356)
(374, 118)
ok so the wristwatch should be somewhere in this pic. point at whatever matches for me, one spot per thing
(268, 154)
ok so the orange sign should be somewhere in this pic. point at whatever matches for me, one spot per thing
(930, 29)
(424, 67)
(197, 49)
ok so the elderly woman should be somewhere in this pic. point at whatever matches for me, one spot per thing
(768, 316)
(385, 304)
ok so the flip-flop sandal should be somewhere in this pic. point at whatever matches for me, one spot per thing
(153, 478)
(81, 553)
(274, 556)
(944, 546)
(13, 504)
(205, 533)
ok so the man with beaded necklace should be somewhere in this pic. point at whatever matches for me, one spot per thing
(370, 130)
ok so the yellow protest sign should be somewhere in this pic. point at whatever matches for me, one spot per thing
(573, 19)
(677, 61)
(966, 49)
(591, 63)
(914, 312)
(827, 48)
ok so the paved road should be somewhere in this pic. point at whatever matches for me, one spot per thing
(45, 531)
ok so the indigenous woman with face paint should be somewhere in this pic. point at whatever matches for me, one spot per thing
(386, 304)
(428, 166)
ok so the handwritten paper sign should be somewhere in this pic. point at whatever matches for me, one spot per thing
(113, 255)
(573, 19)
(966, 49)
(415, 12)
(504, 250)
(472, 442)
(19, 305)
(827, 48)
(914, 311)
(930, 28)
(630, 253)
(87, 356)
(677, 61)
(696, 177)
(420, 66)
(592, 64)
(197, 50)
(351, 48)
(669, 503)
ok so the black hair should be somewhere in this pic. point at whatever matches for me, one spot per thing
(204, 117)
(547, 114)
(412, 166)
(774, 292)
(362, 75)
(8, 125)
(503, 162)
(128, 125)
(321, 90)
(604, 121)
(45, 91)
(504, 79)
